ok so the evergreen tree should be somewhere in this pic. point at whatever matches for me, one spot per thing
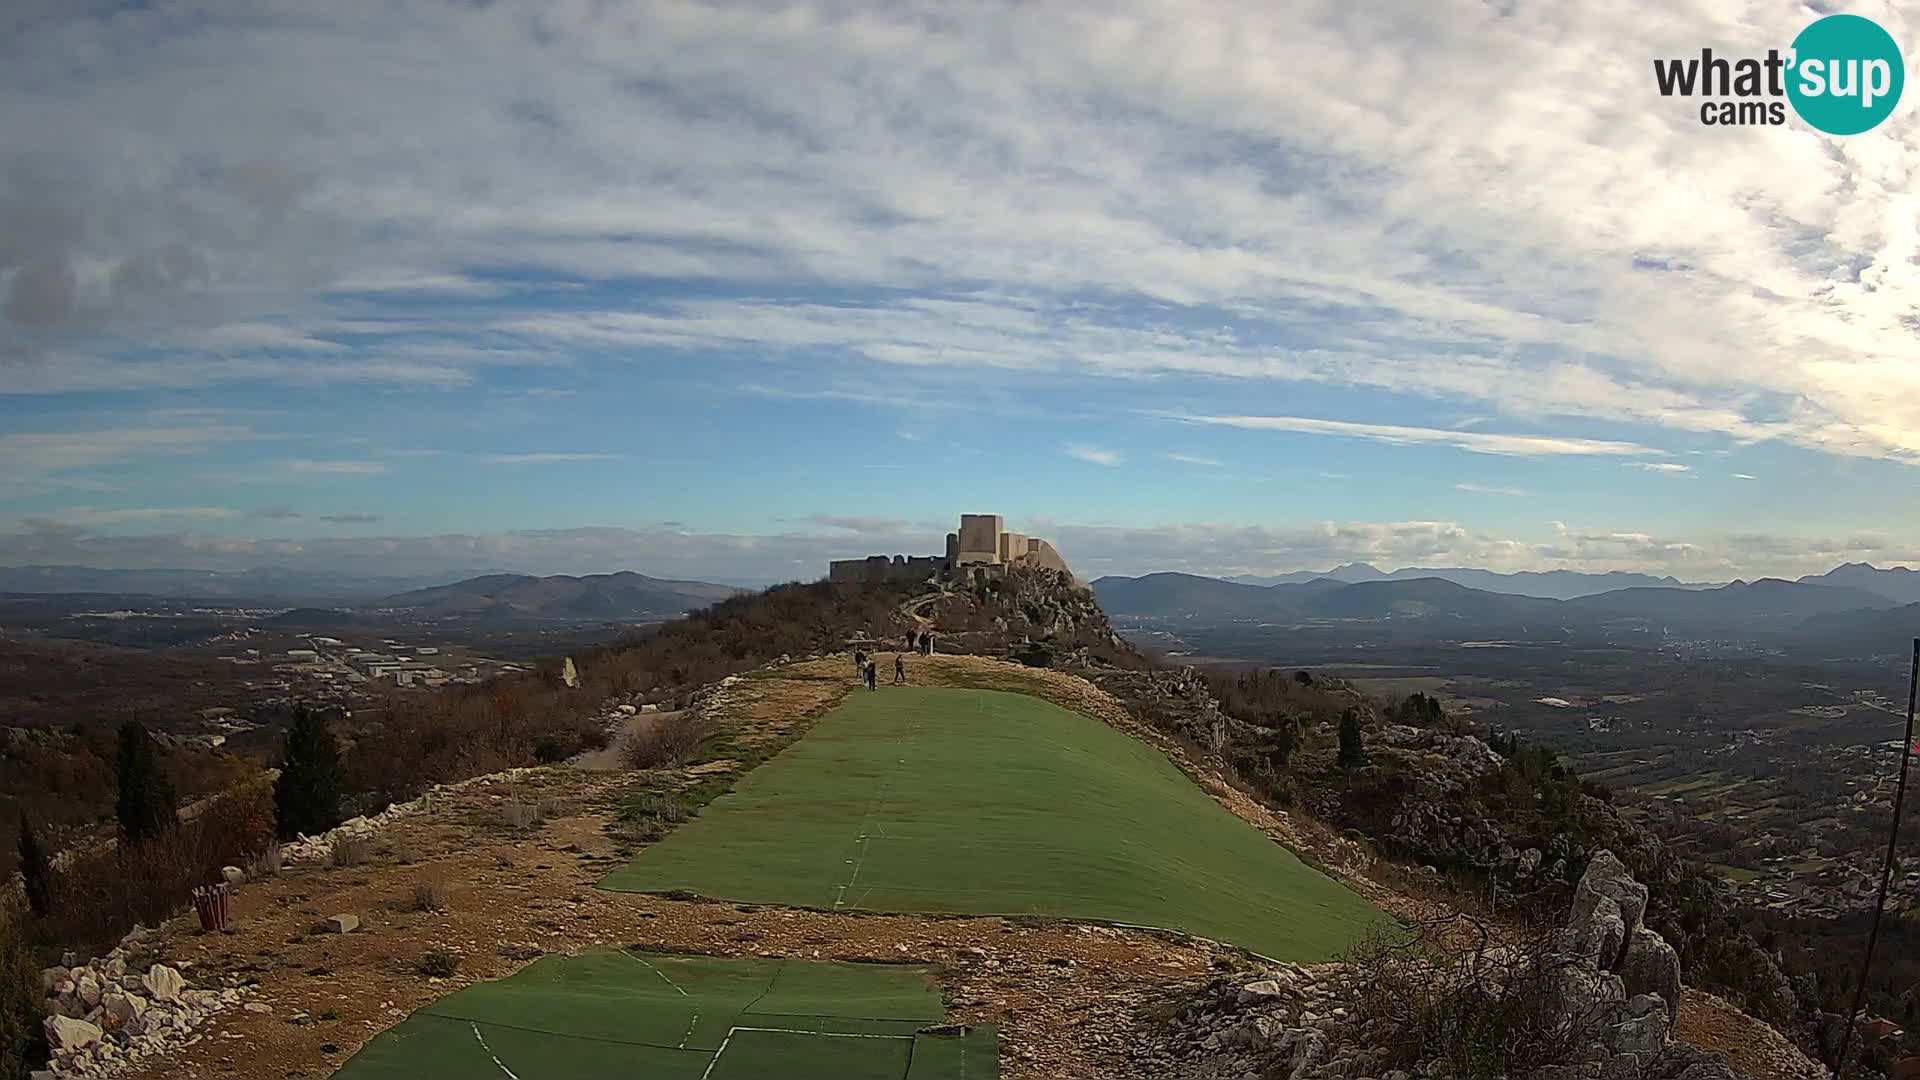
(35, 870)
(23, 1040)
(1304, 678)
(146, 805)
(1352, 754)
(306, 797)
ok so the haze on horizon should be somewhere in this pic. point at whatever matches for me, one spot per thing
(721, 291)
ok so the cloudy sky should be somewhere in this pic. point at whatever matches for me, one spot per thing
(722, 289)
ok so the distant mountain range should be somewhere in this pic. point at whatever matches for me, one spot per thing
(1739, 608)
(261, 584)
(1547, 584)
(625, 595)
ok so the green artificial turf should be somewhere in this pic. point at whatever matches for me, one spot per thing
(655, 1016)
(982, 802)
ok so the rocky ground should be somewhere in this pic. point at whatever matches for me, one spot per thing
(500, 870)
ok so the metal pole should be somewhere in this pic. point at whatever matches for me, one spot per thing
(1886, 872)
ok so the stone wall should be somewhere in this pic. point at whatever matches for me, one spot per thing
(876, 568)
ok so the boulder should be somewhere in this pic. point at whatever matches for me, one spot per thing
(1607, 876)
(1643, 1032)
(1651, 966)
(233, 875)
(163, 982)
(52, 977)
(343, 924)
(87, 988)
(66, 1033)
(1400, 735)
(1477, 756)
(1261, 992)
(123, 1010)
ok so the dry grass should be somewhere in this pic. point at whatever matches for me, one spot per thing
(521, 815)
(351, 851)
(430, 896)
(670, 741)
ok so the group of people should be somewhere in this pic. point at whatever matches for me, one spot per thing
(868, 670)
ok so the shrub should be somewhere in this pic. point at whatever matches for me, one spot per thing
(306, 797)
(1352, 753)
(1444, 990)
(101, 893)
(23, 1041)
(669, 741)
(36, 873)
(146, 802)
(350, 851)
(430, 896)
(649, 815)
(438, 964)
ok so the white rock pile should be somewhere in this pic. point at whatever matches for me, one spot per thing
(304, 848)
(103, 1015)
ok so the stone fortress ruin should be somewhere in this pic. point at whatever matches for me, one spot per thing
(981, 546)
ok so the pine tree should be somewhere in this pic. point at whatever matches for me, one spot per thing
(146, 805)
(23, 1040)
(35, 870)
(1352, 754)
(306, 797)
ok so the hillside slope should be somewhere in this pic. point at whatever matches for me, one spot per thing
(611, 596)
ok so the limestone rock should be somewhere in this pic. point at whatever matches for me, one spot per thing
(1261, 992)
(343, 924)
(233, 875)
(1477, 756)
(1651, 966)
(123, 1010)
(1643, 1033)
(87, 988)
(66, 1033)
(1607, 876)
(52, 977)
(163, 983)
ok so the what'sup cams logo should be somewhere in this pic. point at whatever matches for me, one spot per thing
(1842, 75)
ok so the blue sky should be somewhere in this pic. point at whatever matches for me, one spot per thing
(723, 290)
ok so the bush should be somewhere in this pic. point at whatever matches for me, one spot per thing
(23, 1040)
(146, 802)
(1352, 753)
(36, 873)
(100, 894)
(669, 741)
(430, 896)
(307, 794)
(1443, 990)
(438, 964)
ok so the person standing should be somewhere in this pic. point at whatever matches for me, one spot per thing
(873, 676)
(859, 662)
(899, 669)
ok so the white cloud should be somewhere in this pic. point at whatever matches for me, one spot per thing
(1479, 442)
(1196, 459)
(1671, 467)
(336, 466)
(1744, 476)
(1488, 489)
(543, 458)
(1096, 455)
(1584, 248)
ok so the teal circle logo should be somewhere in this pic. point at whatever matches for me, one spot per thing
(1846, 74)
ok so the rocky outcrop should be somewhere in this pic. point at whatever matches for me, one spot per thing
(1179, 702)
(1604, 980)
(123, 1008)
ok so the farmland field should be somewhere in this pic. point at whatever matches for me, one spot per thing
(981, 802)
(667, 1016)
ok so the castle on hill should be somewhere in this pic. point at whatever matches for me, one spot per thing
(982, 545)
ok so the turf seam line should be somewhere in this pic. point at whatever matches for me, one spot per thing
(548, 1031)
(656, 971)
(501, 1065)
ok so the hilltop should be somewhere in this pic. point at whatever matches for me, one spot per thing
(506, 841)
